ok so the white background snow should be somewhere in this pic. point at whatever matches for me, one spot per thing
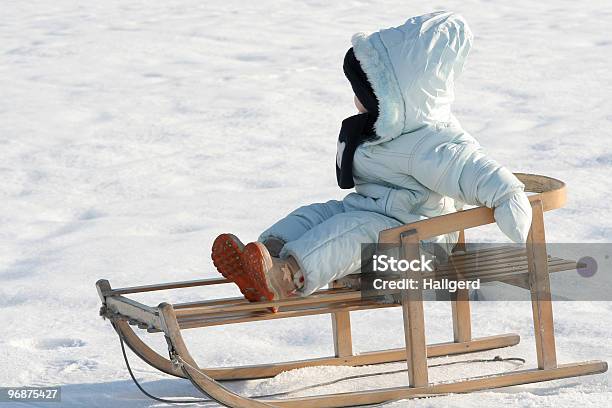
(133, 132)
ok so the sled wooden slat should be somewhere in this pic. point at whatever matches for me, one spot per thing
(213, 302)
(169, 285)
(242, 300)
(500, 270)
(457, 262)
(501, 265)
(527, 267)
(190, 323)
(465, 254)
(315, 299)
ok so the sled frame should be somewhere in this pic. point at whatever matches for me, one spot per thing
(339, 301)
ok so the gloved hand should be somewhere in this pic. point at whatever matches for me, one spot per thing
(513, 216)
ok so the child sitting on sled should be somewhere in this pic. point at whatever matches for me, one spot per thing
(405, 154)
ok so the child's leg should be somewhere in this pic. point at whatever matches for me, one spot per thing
(228, 251)
(294, 225)
(332, 249)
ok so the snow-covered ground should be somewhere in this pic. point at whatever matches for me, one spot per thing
(133, 132)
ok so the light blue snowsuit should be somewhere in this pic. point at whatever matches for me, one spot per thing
(422, 163)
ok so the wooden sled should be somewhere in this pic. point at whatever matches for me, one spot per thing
(528, 268)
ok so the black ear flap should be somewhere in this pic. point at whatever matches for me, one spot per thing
(360, 84)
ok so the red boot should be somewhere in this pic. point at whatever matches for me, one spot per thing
(226, 255)
(272, 278)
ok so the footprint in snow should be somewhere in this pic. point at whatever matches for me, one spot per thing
(57, 343)
(73, 366)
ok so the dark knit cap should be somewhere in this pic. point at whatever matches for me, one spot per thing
(360, 84)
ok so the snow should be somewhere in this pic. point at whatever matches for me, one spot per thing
(132, 133)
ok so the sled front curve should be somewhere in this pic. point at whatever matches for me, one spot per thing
(527, 268)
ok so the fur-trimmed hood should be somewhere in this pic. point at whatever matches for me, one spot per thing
(412, 69)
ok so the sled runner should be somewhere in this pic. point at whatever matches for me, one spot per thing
(527, 267)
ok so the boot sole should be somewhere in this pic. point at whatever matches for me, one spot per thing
(227, 253)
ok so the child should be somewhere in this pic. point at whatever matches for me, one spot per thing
(406, 155)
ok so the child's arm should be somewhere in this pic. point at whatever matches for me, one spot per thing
(460, 170)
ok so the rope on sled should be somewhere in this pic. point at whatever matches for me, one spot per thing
(167, 401)
(495, 359)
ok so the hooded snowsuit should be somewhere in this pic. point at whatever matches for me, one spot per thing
(421, 163)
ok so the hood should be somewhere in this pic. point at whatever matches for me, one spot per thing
(412, 69)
